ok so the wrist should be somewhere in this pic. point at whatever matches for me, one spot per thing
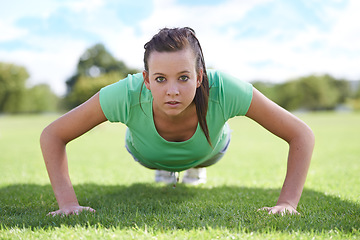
(286, 204)
(67, 200)
(69, 205)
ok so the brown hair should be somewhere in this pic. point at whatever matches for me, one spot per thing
(175, 39)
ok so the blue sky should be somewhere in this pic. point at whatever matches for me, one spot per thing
(273, 40)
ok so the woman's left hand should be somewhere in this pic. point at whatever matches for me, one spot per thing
(281, 209)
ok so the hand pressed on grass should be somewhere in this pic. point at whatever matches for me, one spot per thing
(281, 209)
(70, 210)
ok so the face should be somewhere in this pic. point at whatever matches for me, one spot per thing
(172, 79)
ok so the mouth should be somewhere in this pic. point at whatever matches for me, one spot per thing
(172, 103)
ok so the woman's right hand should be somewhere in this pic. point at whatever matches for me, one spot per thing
(71, 210)
(53, 141)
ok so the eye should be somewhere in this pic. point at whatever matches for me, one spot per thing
(160, 79)
(184, 78)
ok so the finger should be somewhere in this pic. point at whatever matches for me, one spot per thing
(271, 210)
(289, 211)
(78, 211)
(283, 211)
(51, 214)
(55, 213)
(89, 209)
(293, 211)
(265, 209)
(71, 212)
(278, 210)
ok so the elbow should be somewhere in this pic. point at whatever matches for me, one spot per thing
(45, 136)
(306, 137)
(303, 135)
(309, 136)
(49, 136)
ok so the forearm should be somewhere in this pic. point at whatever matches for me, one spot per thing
(300, 152)
(55, 158)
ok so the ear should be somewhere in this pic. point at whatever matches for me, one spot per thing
(199, 78)
(146, 79)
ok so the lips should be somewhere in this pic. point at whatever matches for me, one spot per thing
(172, 103)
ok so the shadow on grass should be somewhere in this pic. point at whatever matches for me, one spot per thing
(159, 207)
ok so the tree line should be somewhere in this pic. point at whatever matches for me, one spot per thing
(16, 97)
(97, 68)
(313, 93)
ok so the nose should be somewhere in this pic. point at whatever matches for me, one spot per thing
(172, 90)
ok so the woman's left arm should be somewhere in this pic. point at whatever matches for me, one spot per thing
(301, 143)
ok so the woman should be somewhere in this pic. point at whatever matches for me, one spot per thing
(177, 121)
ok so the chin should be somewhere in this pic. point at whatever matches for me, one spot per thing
(173, 112)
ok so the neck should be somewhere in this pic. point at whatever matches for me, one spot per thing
(189, 113)
(176, 128)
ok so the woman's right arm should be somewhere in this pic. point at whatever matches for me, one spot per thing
(53, 142)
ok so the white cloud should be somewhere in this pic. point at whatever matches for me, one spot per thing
(12, 10)
(346, 31)
(335, 50)
(306, 52)
(85, 5)
(10, 32)
(221, 50)
(202, 18)
(55, 63)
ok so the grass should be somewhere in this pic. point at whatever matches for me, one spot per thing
(130, 205)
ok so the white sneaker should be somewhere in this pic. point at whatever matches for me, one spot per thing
(166, 177)
(195, 176)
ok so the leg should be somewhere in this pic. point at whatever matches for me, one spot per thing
(166, 177)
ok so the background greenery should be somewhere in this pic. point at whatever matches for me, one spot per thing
(97, 68)
(131, 206)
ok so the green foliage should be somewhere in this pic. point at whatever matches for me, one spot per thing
(12, 87)
(40, 99)
(319, 92)
(97, 60)
(355, 99)
(357, 93)
(314, 92)
(96, 68)
(266, 88)
(86, 87)
(131, 206)
(344, 89)
(15, 97)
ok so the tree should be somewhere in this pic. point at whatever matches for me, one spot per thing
(39, 99)
(319, 92)
(266, 88)
(12, 87)
(86, 87)
(288, 96)
(355, 98)
(313, 92)
(96, 68)
(344, 88)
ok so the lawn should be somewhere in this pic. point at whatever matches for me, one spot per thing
(130, 205)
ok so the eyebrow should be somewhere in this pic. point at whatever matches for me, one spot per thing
(182, 72)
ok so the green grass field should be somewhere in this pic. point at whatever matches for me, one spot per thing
(131, 206)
